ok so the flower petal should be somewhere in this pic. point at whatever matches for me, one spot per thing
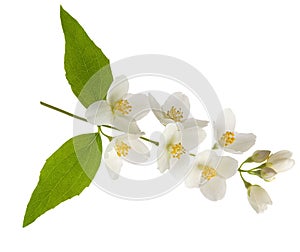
(179, 168)
(163, 161)
(99, 113)
(171, 135)
(126, 124)
(242, 143)
(191, 138)
(118, 89)
(284, 154)
(193, 178)
(207, 158)
(139, 105)
(227, 167)
(178, 101)
(214, 189)
(157, 110)
(138, 153)
(225, 122)
(112, 161)
(191, 123)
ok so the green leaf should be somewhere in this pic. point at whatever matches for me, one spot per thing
(66, 173)
(83, 60)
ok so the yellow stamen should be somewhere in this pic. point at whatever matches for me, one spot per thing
(175, 114)
(176, 150)
(122, 149)
(228, 138)
(123, 107)
(208, 172)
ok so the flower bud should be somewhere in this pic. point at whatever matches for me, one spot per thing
(267, 173)
(258, 198)
(280, 161)
(260, 156)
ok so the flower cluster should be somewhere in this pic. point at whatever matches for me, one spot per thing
(208, 170)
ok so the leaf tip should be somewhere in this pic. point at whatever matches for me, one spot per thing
(63, 12)
(25, 222)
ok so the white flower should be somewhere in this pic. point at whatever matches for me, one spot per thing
(128, 147)
(176, 109)
(228, 138)
(258, 198)
(174, 147)
(209, 172)
(280, 161)
(120, 109)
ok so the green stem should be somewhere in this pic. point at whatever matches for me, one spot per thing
(215, 146)
(107, 136)
(85, 120)
(246, 183)
(239, 169)
(144, 138)
(110, 127)
(258, 167)
(63, 111)
(150, 141)
(251, 170)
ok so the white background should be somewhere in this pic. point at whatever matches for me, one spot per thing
(248, 50)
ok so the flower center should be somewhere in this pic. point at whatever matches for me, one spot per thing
(122, 149)
(228, 138)
(123, 107)
(176, 150)
(175, 114)
(208, 172)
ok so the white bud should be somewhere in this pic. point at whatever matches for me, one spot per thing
(267, 173)
(258, 198)
(281, 161)
(260, 156)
